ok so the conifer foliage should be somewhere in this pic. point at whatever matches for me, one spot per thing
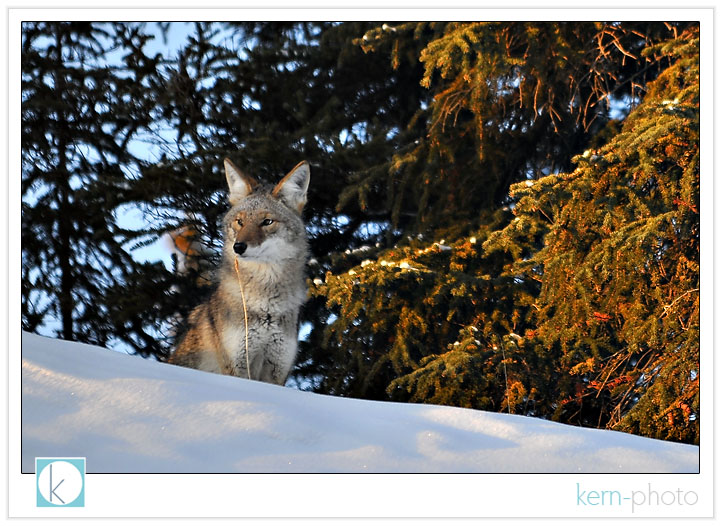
(618, 306)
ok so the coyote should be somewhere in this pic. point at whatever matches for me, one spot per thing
(249, 326)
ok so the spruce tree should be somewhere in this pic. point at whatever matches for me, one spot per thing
(78, 116)
(618, 305)
(509, 102)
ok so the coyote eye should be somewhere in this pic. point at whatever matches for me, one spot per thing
(240, 222)
(267, 222)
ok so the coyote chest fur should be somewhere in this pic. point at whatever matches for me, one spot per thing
(264, 255)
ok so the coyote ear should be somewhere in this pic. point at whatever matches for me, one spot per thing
(292, 188)
(239, 184)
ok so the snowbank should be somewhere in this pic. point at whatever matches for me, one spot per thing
(129, 415)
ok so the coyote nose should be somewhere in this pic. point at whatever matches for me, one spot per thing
(240, 247)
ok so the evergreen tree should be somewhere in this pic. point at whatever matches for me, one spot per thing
(618, 306)
(78, 117)
(510, 102)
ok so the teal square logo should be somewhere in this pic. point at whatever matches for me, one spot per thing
(60, 482)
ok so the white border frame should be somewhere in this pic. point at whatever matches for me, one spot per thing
(358, 495)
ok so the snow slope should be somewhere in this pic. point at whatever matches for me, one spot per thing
(129, 415)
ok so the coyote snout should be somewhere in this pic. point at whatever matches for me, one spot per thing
(239, 247)
(264, 256)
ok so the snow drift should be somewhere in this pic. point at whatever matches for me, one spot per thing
(129, 415)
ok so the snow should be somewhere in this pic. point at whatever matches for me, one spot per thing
(130, 415)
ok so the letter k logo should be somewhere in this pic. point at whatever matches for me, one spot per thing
(60, 482)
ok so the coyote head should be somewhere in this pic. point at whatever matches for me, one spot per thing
(264, 222)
